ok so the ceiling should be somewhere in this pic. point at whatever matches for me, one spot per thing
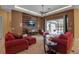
(35, 9)
(38, 8)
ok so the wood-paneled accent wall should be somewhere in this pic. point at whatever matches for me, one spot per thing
(19, 17)
(76, 31)
(76, 23)
(6, 28)
(16, 21)
(39, 22)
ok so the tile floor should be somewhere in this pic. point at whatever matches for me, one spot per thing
(39, 49)
(36, 48)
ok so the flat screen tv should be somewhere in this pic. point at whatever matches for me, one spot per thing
(31, 23)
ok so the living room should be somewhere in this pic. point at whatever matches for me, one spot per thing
(33, 25)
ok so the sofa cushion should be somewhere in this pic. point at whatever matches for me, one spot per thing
(62, 36)
(15, 42)
(9, 36)
(15, 46)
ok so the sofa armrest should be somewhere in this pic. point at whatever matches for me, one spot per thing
(16, 42)
(60, 41)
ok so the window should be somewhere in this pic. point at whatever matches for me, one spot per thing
(55, 26)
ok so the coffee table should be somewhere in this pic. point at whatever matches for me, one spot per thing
(48, 44)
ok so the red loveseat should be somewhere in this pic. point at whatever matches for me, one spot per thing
(64, 43)
(13, 45)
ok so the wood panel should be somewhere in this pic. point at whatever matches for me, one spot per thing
(6, 28)
(38, 19)
(20, 17)
(16, 21)
(76, 23)
(76, 31)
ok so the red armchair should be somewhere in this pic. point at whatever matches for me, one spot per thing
(13, 45)
(64, 43)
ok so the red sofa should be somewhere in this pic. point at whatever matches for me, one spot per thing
(13, 45)
(64, 43)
